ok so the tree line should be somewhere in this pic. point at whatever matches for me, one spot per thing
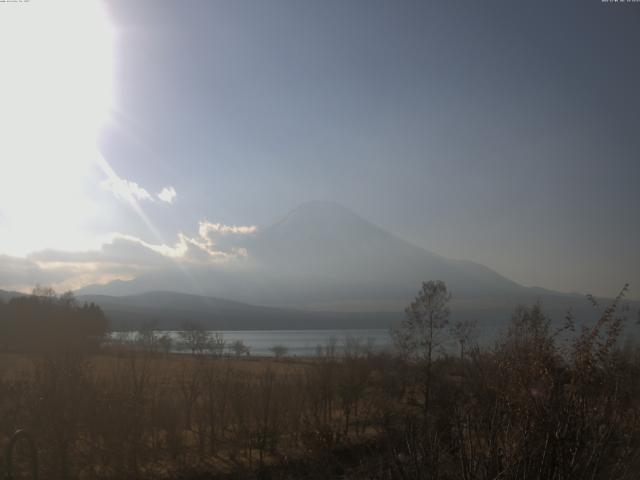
(45, 321)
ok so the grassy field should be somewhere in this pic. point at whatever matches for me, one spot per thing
(154, 415)
(14, 365)
(539, 404)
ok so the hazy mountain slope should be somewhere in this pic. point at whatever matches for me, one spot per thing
(168, 310)
(319, 260)
(5, 296)
(322, 253)
(327, 241)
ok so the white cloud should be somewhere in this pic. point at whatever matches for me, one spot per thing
(125, 257)
(125, 189)
(204, 248)
(208, 230)
(168, 194)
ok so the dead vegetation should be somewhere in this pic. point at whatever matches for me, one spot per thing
(545, 403)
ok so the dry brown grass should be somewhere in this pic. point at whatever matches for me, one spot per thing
(532, 407)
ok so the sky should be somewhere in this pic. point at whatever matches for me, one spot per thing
(501, 132)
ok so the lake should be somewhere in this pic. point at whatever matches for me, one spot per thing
(299, 342)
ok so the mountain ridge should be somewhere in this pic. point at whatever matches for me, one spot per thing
(322, 252)
(169, 310)
(323, 266)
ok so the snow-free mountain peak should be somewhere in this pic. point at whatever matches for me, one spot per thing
(322, 253)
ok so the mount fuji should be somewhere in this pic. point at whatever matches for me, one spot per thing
(323, 257)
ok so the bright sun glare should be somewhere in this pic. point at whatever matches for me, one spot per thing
(55, 93)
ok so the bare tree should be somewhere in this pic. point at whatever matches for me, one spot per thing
(464, 333)
(44, 293)
(146, 336)
(329, 350)
(194, 336)
(216, 344)
(239, 348)
(279, 351)
(67, 299)
(165, 343)
(419, 334)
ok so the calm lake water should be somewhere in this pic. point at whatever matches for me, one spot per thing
(300, 342)
(305, 342)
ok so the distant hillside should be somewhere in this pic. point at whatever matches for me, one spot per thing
(5, 296)
(322, 254)
(168, 310)
(323, 266)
